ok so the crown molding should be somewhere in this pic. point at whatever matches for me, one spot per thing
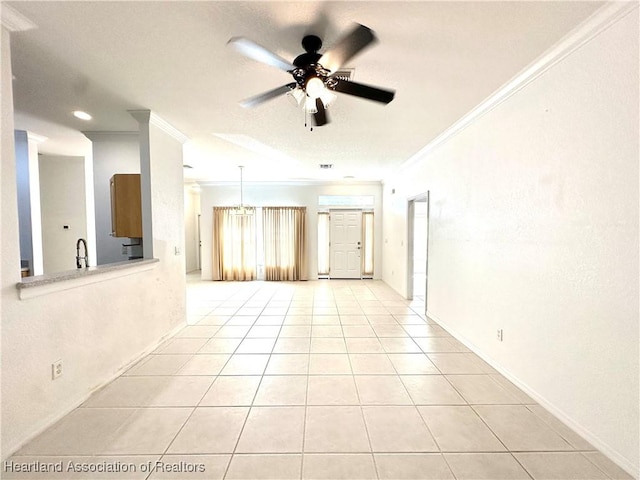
(168, 128)
(13, 20)
(34, 137)
(599, 21)
(286, 183)
(147, 116)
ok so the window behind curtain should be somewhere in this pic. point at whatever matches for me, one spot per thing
(323, 243)
(234, 245)
(285, 244)
(367, 244)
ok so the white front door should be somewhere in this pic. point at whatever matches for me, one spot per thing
(346, 244)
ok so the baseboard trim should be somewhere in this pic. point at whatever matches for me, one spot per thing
(56, 418)
(594, 440)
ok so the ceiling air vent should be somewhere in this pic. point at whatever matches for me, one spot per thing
(344, 74)
(326, 166)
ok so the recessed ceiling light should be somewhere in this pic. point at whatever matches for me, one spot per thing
(82, 115)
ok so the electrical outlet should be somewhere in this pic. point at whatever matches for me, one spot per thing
(56, 369)
(499, 334)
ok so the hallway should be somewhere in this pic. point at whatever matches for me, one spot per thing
(320, 379)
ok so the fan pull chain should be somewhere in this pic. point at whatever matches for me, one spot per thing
(307, 115)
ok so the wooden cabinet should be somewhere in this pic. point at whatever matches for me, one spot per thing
(126, 205)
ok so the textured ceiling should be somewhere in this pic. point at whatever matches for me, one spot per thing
(442, 58)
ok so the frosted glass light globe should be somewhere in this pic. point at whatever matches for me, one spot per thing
(314, 87)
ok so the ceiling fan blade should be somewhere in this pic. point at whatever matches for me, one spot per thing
(365, 91)
(347, 47)
(320, 117)
(263, 97)
(252, 50)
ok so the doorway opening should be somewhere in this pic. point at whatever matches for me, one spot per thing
(418, 248)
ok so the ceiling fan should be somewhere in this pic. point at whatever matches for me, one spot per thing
(314, 73)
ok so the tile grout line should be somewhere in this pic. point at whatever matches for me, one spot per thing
(364, 421)
(201, 398)
(432, 436)
(386, 354)
(306, 403)
(512, 453)
(233, 454)
(246, 418)
(444, 457)
(521, 465)
(230, 356)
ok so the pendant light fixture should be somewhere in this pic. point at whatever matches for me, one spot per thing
(242, 210)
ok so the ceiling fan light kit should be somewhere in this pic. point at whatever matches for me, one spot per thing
(314, 87)
(316, 75)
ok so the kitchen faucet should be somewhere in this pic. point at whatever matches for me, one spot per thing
(86, 253)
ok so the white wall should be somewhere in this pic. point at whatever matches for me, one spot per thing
(534, 229)
(9, 233)
(290, 195)
(123, 316)
(113, 152)
(62, 195)
(167, 202)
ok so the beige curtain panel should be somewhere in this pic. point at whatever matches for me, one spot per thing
(285, 243)
(234, 245)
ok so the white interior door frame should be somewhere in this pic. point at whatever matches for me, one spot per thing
(411, 252)
(198, 242)
(411, 210)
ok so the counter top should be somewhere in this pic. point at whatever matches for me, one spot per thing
(60, 280)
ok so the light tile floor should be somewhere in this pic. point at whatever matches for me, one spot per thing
(312, 380)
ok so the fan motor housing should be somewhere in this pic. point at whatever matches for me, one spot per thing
(311, 43)
(308, 67)
(306, 60)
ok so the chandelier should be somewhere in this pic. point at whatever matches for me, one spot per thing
(242, 210)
